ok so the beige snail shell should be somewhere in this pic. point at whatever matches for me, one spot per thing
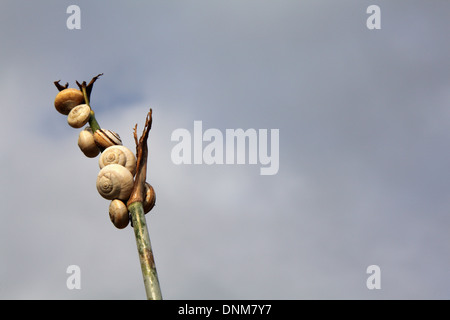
(118, 213)
(106, 138)
(79, 116)
(115, 182)
(150, 198)
(67, 99)
(87, 144)
(119, 155)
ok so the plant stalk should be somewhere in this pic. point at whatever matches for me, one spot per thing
(136, 209)
(135, 202)
(92, 121)
(148, 267)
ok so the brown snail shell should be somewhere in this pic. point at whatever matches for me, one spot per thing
(115, 182)
(67, 99)
(150, 198)
(106, 138)
(79, 116)
(87, 144)
(118, 213)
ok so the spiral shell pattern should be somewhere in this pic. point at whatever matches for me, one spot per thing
(115, 182)
(79, 116)
(118, 155)
(106, 138)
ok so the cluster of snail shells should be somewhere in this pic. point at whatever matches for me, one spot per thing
(70, 102)
(115, 182)
(117, 163)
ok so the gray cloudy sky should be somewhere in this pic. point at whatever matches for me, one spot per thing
(364, 120)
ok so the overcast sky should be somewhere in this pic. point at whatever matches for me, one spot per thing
(364, 139)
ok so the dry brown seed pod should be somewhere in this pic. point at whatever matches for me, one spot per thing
(119, 155)
(106, 138)
(115, 182)
(87, 144)
(67, 99)
(79, 116)
(150, 198)
(118, 213)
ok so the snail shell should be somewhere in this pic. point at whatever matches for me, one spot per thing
(87, 144)
(150, 198)
(67, 99)
(115, 182)
(119, 155)
(106, 138)
(79, 116)
(118, 213)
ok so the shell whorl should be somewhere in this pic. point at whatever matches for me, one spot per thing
(67, 99)
(115, 182)
(79, 116)
(106, 138)
(87, 144)
(118, 155)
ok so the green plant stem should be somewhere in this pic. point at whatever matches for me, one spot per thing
(144, 247)
(92, 121)
(85, 95)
